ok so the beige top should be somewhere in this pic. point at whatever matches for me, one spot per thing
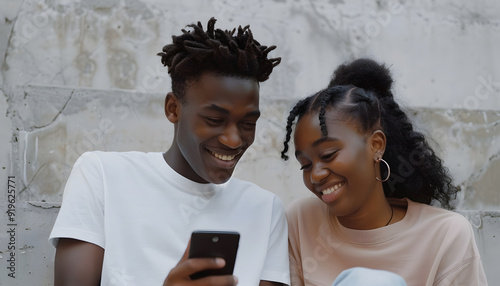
(429, 246)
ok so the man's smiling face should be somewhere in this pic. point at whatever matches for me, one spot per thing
(215, 125)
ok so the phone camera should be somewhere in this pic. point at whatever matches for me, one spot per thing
(215, 239)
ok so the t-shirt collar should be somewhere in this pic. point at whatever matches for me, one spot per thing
(186, 185)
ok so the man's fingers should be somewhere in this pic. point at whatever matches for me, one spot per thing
(189, 266)
(222, 280)
(192, 265)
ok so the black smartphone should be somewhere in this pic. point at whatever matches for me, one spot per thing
(222, 244)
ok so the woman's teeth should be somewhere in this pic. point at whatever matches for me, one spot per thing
(332, 189)
(223, 157)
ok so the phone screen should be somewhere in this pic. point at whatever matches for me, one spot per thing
(222, 244)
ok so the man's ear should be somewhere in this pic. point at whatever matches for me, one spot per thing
(172, 107)
(377, 144)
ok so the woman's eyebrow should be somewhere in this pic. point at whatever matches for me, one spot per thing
(324, 139)
(317, 142)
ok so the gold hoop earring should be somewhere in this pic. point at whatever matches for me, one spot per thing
(388, 171)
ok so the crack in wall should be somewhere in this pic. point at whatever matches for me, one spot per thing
(4, 66)
(38, 72)
(28, 184)
(59, 113)
(44, 205)
(13, 21)
(476, 176)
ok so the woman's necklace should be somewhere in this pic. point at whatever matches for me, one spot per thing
(392, 213)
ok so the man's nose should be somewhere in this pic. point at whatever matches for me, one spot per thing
(231, 137)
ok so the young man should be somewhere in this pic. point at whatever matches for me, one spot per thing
(126, 218)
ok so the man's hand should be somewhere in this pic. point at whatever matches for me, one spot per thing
(179, 275)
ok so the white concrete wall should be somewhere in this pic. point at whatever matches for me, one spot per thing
(84, 75)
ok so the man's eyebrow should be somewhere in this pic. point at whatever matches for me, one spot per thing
(218, 108)
(225, 111)
(319, 141)
(255, 113)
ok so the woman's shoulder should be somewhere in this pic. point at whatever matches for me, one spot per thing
(447, 220)
(305, 206)
(305, 217)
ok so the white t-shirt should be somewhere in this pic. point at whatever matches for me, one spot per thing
(429, 246)
(142, 213)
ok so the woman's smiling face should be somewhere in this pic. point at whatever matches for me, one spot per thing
(338, 168)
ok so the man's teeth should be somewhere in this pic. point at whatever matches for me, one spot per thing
(223, 157)
(333, 189)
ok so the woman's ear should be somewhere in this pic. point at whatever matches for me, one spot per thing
(172, 107)
(377, 144)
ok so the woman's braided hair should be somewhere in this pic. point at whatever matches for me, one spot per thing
(228, 53)
(360, 92)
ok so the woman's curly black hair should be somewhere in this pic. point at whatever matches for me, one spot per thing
(223, 52)
(360, 92)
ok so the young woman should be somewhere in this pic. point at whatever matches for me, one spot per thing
(383, 192)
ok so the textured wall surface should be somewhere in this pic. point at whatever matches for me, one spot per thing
(84, 75)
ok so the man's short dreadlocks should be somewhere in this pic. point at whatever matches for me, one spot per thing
(222, 52)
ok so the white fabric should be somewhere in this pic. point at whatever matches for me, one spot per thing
(361, 276)
(142, 213)
(429, 246)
